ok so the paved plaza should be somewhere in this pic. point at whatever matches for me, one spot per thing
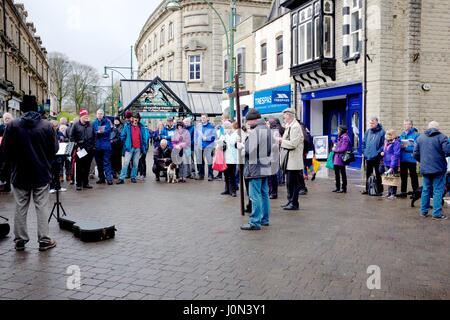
(183, 242)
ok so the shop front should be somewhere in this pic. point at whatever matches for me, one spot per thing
(273, 101)
(325, 109)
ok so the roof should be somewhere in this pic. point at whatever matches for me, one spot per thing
(194, 102)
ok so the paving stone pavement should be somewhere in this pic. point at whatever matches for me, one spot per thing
(183, 242)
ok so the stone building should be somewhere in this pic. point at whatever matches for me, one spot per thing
(352, 59)
(23, 59)
(186, 45)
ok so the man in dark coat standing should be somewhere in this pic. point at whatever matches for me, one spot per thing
(30, 145)
(83, 135)
(430, 150)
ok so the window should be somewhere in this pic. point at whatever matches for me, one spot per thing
(355, 28)
(305, 35)
(155, 42)
(355, 130)
(162, 37)
(161, 71)
(149, 48)
(171, 36)
(295, 38)
(328, 34)
(279, 42)
(313, 32)
(264, 58)
(195, 67)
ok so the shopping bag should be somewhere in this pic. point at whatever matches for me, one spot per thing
(316, 165)
(219, 161)
(330, 164)
(391, 180)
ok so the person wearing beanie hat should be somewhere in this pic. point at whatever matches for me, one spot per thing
(30, 145)
(292, 145)
(82, 133)
(257, 169)
(342, 146)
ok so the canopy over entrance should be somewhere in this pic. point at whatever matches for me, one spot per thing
(158, 99)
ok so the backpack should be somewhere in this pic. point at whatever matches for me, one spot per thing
(372, 186)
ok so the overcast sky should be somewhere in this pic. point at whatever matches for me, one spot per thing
(94, 32)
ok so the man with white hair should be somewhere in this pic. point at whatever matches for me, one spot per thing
(431, 150)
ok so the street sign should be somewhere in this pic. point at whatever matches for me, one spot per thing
(241, 94)
(230, 90)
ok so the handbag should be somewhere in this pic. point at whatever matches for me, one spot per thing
(391, 180)
(219, 163)
(224, 146)
(330, 164)
(348, 157)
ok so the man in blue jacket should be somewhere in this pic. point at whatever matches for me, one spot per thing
(189, 127)
(407, 162)
(134, 137)
(102, 130)
(431, 151)
(168, 131)
(204, 137)
(372, 148)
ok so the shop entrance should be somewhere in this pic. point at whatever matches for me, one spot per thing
(334, 115)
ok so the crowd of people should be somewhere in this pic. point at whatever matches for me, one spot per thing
(271, 154)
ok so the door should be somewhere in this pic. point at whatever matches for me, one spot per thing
(354, 124)
(334, 115)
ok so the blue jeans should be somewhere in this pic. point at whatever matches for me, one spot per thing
(435, 183)
(259, 196)
(134, 156)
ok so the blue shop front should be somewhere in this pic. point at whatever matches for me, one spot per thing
(325, 109)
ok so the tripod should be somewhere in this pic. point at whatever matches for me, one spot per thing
(58, 206)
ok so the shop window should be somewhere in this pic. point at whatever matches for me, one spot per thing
(334, 124)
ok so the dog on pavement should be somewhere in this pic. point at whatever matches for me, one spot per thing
(417, 194)
(172, 173)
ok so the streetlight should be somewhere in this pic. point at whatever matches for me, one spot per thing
(106, 76)
(174, 5)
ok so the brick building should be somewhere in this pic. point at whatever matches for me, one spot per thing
(23, 59)
(352, 59)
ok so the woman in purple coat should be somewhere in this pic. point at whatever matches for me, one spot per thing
(340, 148)
(391, 158)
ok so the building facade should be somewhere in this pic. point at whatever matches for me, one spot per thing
(23, 59)
(353, 59)
(186, 45)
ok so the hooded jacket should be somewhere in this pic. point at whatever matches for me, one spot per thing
(258, 152)
(83, 135)
(373, 143)
(431, 149)
(407, 153)
(30, 145)
(392, 154)
(126, 138)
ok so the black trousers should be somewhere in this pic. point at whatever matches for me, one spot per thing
(340, 171)
(412, 168)
(374, 165)
(230, 178)
(273, 185)
(116, 158)
(293, 183)
(56, 171)
(83, 169)
(142, 167)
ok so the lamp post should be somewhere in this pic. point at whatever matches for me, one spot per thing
(174, 5)
(106, 76)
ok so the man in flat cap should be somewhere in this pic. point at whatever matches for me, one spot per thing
(292, 157)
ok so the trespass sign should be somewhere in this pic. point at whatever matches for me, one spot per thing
(273, 100)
